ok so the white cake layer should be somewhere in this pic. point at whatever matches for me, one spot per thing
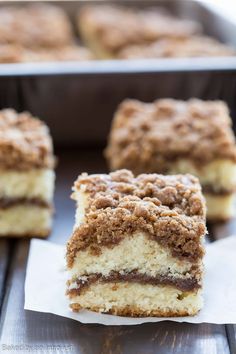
(104, 297)
(82, 201)
(219, 174)
(36, 183)
(28, 220)
(135, 252)
(220, 207)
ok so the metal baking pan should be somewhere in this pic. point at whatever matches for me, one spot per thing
(78, 100)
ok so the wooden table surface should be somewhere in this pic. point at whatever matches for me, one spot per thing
(26, 331)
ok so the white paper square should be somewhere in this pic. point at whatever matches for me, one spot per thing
(46, 278)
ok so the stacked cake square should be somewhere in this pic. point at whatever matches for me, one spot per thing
(170, 136)
(136, 248)
(26, 175)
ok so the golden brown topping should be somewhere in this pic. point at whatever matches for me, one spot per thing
(68, 53)
(25, 142)
(149, 137)
(11, 53)
(116, 27)
(195, 46)
(37, 25)
(170, 209)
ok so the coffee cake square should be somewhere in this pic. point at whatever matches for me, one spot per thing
(108, 29)
(26, 175)
(35, 25)
(192, 47)
(170, 136)
(137, 244)
(11, 53)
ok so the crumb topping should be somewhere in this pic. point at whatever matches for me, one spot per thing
(170, 209)
(195, 46)
(116, 27)
(11, 53)
(37, 25)
(150, 136)
(25, 142)
(68, 53)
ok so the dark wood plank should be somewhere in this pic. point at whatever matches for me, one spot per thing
(46, 333)
(231, 335)
(4, 255)
(220, 231)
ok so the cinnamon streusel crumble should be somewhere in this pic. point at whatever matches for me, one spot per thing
(35, 25)
(138, 238)
(26, 175)
(108, 29)
(195, 46)
(170, 136)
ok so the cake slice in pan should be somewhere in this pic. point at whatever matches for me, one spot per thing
(11, 53)
(73, 53)
(170, 136)
(108, 29)
(26, 175)
(136, 248)
(195, 46)
(35, 25)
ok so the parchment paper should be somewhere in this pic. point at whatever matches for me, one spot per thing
(46, 278)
